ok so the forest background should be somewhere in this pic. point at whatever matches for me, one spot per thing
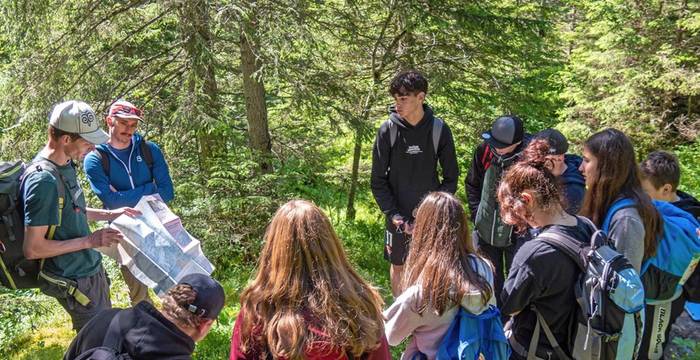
(258, 102)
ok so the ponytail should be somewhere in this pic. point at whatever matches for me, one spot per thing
(532, 173)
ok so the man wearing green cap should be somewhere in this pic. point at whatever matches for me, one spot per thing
(55, 215)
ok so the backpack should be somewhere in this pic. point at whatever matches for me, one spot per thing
(491, 229)
(677, 253)
(610, 295)
(143, 148)
(470, 336)
(108, 351)
(437, 131)
(17, 271)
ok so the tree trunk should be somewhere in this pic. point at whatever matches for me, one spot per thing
(254, 92)
(350, 212)
(203, 91)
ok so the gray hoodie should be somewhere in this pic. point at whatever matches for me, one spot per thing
(627, 233)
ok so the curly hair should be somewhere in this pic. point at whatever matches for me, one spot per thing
(532, 173)
(305, 280)
(175, 302)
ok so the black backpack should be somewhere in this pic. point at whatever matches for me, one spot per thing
(108, 351)
(610, 295)
(145, 152)
(17, 271)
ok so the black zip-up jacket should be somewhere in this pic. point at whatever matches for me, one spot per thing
(402, 175)
(145, 334)
(474, 181)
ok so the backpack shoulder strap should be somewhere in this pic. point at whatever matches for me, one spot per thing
(532, 350)
(104, 159)
(437, 131)
(147, 154)
(393, 133)
(614, 208)
(566, 244)
(41, 165)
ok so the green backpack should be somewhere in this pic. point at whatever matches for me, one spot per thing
(492, 230)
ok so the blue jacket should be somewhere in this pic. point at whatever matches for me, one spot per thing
(574, 184)
(130, 186)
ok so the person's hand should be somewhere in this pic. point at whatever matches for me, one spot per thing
(112, 189)
(104, 238)
(408, 228)
(131, 212)
(398, 221)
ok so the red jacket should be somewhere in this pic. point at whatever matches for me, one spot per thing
(319, 350)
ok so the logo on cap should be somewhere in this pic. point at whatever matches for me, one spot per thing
(87, 117)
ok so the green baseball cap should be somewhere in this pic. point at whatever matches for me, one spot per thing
(77, 117)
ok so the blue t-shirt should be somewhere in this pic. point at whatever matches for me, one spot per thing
(40, 196)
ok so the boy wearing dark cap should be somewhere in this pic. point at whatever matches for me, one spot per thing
(405, 157)
(502, 147)
(144, 332)
(565, 167)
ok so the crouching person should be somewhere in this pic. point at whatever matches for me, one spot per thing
(144, 332)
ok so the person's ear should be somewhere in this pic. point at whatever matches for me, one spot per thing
(527, 198)
(667, 189)
(421, 96)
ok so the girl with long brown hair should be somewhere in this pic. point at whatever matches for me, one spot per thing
(611, 173)
(542, 277)
(442, 273)
(306, 301)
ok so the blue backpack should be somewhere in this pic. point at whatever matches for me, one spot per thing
(677, 253)
(470, 336)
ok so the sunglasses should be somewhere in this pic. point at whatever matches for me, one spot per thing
(126, 110)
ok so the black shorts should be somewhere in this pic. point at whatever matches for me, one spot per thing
(396, 246)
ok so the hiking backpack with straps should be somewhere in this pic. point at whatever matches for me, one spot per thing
(16, 271)
(610, 296)
(437, 131)
(677, 252)
(143, 148)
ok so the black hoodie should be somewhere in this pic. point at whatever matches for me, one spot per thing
(402, 175)
(145, 334)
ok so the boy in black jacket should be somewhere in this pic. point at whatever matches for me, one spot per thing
(501, 148)
(661, 175)
(405, 159)
(144, 332)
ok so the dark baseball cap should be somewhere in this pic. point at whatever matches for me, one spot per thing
(210, 295)
(505, 131)
(558, 145)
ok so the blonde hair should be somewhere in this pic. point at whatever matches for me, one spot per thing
(304, 279)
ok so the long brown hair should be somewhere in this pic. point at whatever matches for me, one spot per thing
(530, 173)
(439, 256)
(618, 176)
(304, 275)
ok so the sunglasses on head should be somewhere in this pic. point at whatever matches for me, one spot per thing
(126, 110)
